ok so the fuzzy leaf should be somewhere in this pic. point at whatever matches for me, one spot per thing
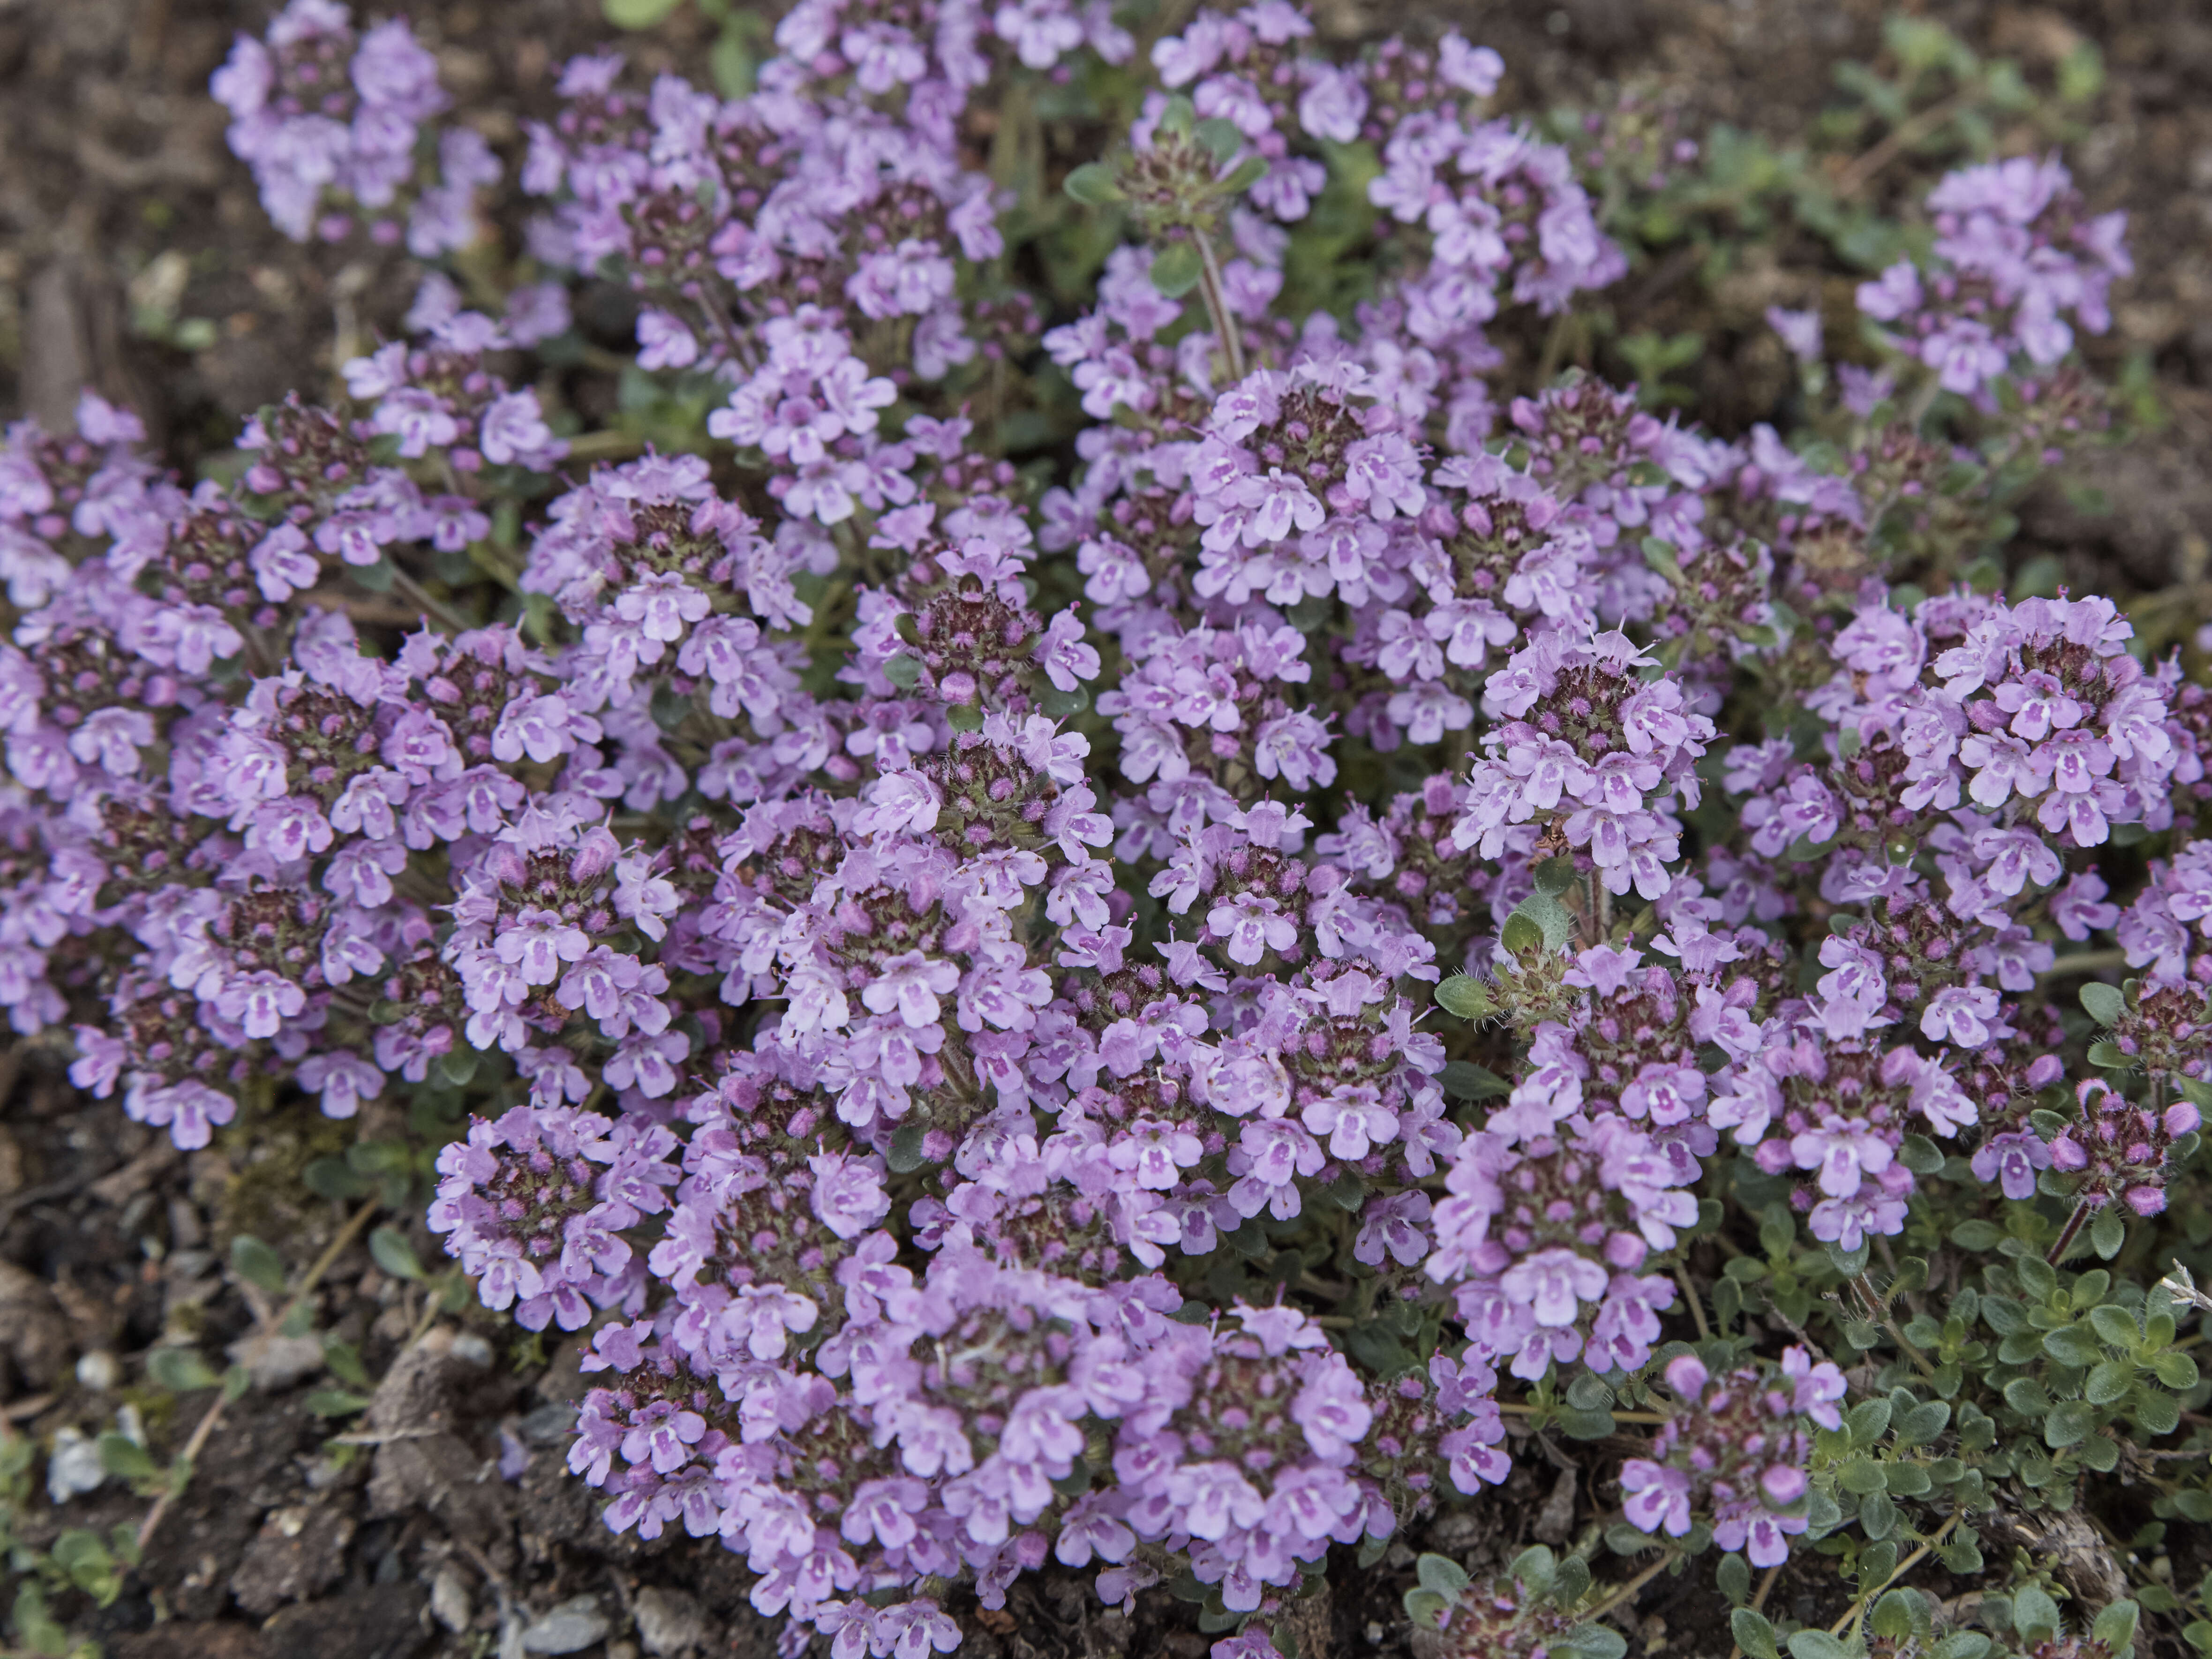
(1534, 1568)
(1095, 184)
(1441, 1574)
(2034, 1614)
(1466, 996)
(394, 1254)
(1176, 269)
(2176, 1369)
(2106, 1003)
(256, 1263)
(1463, 1079)
(2067, 1422)
(1752, 1633)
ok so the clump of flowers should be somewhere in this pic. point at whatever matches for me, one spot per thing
(336, 125)
(1145, 1020)
(2016, 254)
(1736, 1453)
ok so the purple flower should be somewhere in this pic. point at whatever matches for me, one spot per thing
(2012, 1160)
(1658, 1497)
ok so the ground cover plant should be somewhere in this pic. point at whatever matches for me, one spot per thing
(1121, 888)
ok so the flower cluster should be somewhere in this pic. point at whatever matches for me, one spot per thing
(2015, 255)
(1735, 1451)
(336, 125)
(1088, 1018)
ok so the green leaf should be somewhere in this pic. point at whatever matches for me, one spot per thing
(1540, 919)
(1976, 1236)
(1463, 1079)
(2109, 1382)
(2114, 1324)
(905, 1154)
(2176, 1369)
(1922, 1423)
(1877, 1514)
(2106, 1003)
(181, 1370)
(2116, 1626)
(904, 671)
(1466, 996)
(1594, 1642)
(121, 1456)
(1095, 184)
(1920, 1155)
(256, 1263)
(735, 70)
(1441, 1574)
(1581, 1424)
(1816, 1644)
(636, 13)
(393, 1252)
(1534, 1568)
(2071, 1345)
(1424, 1607)
(2107, 1233)
(335, 1402)
(1893, 1615)
(1733, 1578)
(344, 1361)
(1867, 1421)
(1220, 137)
(1752, 1633)
(334, 1178)
(2034, 1614)
(2110, 1057)
(2069, 1421)
(2156, 1412)
(1176, 269)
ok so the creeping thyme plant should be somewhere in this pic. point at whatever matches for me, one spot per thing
(1132, 896)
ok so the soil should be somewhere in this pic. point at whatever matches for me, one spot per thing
(440, 1521)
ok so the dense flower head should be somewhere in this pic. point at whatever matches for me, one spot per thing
(1736, 1452)
(334, 123)
(2015, 255)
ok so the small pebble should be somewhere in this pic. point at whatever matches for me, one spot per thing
(449, 1599)
(669, 1622)
(98, 1370)
(569, 1628)
(75, 1467)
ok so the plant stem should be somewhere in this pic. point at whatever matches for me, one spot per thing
(1888, 1320)
(1520, 1408)
(1216, 305)
(1856, 176)
(1697, 1305)
(1627, 1591)
(2066, 1236)
(1758, 1602)
(1857, 1609)
(406, 585)
(2084, 962)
